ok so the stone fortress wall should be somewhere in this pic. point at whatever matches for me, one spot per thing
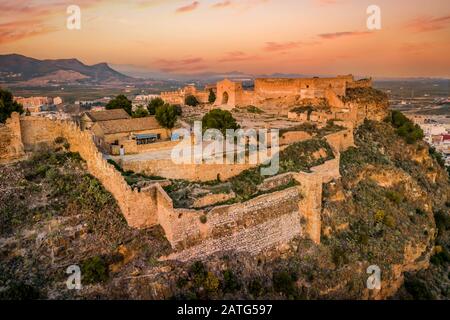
(179, 96)
(208, 172)
(193, 172)
(305, 88)
(11, 146)
(138, 208)
(232, 94)
(252, 226)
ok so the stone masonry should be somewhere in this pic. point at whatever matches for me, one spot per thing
(252, 226)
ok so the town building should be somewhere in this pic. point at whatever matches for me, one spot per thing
(88, 119)
(35, 104)
(128, 136)
(57, 101)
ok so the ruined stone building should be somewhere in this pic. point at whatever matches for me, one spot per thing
(88, 119)
(179, 96)
(231, 94)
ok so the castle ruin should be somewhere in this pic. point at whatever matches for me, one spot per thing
(252, 226)
(231, 94)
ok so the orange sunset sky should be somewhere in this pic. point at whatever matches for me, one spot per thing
(253, 36)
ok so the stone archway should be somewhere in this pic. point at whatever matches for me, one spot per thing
(225, 98)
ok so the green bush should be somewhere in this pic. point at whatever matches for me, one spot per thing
(220, 120)
(339, 256)
(405, 128)
(140, 112)
(178, 110)
(285, 282)
(230, 282)
(389, 221)
(167, 116)
(441, 258)
(442, 221)
(37, 172)
(116, 165)
(154, 104)
(253, 109)
(211, 283)
(20, 291)
(52, 174)
(8, 105)
(212, 96)
(379, 216)
(191, 101)
(437, 156)
(120, 102)
(382, 217)
(94, 270)
(418, 289)
(255, 288)
(198, 272)
(394, 196)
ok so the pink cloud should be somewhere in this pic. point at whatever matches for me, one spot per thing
(187, 64)
(184, 69)
(190, 7)
(10, 32)
(241, 4)
(277, 46)
(234, 56)
(335, 35)
(286, 46)
(415, 48)
(222, 4)
(27, 18)
(428, 23)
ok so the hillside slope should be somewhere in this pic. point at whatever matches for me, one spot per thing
(26, 69)
(390, 209)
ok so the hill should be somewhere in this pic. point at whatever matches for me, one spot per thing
(18, 68)
(390, 209)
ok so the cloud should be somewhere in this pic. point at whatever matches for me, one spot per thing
(10, 32)
(345, 34)
(23, 19)
(241, 4)
(415, 48)
(286, 46)
(234, 56)
(222, 4)
(190, 7)
(186, 61)
(187, 64)
(150, 3)
(184, 69)
(428, 23)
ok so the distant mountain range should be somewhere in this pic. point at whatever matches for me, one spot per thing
(22, 69)
(203, 77)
